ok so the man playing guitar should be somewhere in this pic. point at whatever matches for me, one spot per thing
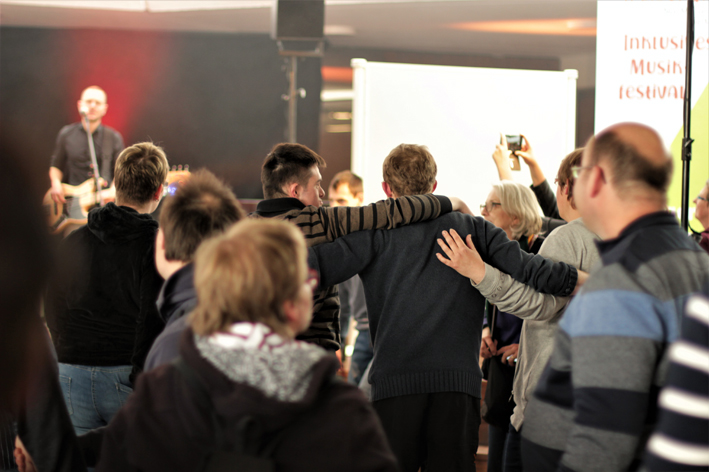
(71, 159)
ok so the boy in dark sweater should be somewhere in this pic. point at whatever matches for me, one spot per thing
(102, 313)
(426, 320)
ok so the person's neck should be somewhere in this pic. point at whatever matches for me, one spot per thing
(571, 215)
(168, 268)
(93, 125)
(705, 223)
(146, 207)
(615, 222)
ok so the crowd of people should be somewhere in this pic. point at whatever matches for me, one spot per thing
(206, 338)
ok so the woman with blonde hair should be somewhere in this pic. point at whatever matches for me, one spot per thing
(245, 395)
(513, 208)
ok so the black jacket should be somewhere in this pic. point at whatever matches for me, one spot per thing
(177, 299)
(329, 425)
(101, 311)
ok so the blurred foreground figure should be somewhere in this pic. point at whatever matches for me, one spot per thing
(245, 395)
(681, 441)
(596, 401)
(29, 392)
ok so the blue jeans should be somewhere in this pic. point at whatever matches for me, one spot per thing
(93, 395)
(361, 356)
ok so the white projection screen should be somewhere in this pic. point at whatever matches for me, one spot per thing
(459, 113)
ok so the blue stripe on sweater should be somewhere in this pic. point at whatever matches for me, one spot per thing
(622, 313)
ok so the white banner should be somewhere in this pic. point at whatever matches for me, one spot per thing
(640, 76)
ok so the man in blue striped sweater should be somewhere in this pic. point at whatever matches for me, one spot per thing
(596, 401)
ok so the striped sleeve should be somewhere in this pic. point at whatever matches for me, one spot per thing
(385, 214)
(681, 440)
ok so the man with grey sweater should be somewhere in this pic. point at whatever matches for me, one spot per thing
(596, 400)
(426, 320)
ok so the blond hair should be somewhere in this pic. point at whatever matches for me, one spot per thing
(410, 169)
(140, 170)
(519, 202)
(247, 274)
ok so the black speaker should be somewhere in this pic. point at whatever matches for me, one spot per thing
(298, 20)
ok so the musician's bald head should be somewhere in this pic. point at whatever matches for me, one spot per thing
(634, 157)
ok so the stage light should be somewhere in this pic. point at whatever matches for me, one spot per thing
(557, 27)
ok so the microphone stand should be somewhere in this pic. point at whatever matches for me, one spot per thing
(686, 140)
(94, 162)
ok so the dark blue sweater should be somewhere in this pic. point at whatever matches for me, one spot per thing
(426, 319)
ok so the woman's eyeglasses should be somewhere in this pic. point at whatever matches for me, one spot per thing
(488, 207)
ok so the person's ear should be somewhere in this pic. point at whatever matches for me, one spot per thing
(292, 189)
(360, 197)
(435, 184)
(290, 313)
(597, 180)
(158, 193)
(565, 188)
(387, 190)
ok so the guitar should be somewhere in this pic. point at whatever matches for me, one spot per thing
(83, 197)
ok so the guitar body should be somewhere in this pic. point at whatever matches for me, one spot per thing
(83, 197)
(79, 200)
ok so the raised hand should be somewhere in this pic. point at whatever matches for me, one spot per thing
(527, 154)
(501, 156)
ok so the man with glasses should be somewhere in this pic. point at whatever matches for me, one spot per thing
(596, 401)
(71, 159)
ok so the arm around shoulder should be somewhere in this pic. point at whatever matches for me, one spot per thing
(385, 214)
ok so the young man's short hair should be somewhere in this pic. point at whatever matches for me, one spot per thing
(140, 170)
(202, 207)
(353, 182)
(629, 168)
(519, 201)
(565, 174)
(247, 273)
(285, 164)
(410, 169)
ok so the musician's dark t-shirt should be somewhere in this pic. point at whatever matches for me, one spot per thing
(71, 152)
